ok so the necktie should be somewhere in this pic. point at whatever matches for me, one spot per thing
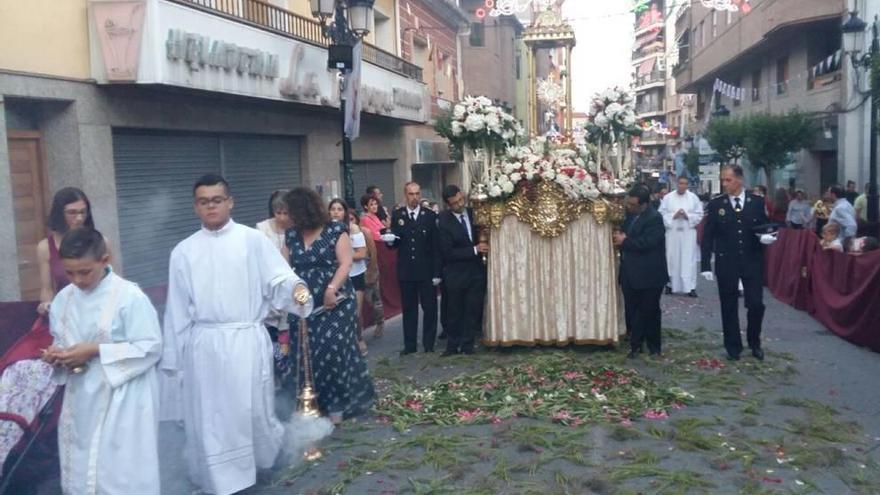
(737, 207)
(465, 225)
(412, 216)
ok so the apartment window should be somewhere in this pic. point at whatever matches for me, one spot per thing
(729, 17)
(714, 24)
(517, 59)
(702, 34)
(756, 85)
(782, 75)
(478, 34)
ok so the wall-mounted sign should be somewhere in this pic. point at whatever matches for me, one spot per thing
(119, 26)
(200, 51)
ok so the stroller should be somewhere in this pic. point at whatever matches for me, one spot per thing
(30, 404)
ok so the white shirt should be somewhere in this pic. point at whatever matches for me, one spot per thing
(413, 213)
(467, 223)
(742, 199)
(844, 214)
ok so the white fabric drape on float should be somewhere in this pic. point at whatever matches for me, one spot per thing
(557, 291)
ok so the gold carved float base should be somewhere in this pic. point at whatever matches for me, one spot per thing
(551, 211)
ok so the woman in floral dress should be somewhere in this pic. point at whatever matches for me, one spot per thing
(321, 254)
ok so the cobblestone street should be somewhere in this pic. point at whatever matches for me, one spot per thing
(804, 421)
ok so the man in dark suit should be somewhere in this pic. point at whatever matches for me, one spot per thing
(464, 275)
(642, 269)
(418, 268)
(729, 234)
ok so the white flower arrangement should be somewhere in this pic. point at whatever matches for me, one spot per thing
(477, 123)
(571, 168)
(613, 114)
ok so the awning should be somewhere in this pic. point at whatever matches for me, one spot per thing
(646, 67)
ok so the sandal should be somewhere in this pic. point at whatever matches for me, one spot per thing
(363, 347)
(379, 331)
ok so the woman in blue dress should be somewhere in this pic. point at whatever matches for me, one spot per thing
(321, 254)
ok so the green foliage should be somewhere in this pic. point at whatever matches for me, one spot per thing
(770, 139)
(727, 136)
(692, 161)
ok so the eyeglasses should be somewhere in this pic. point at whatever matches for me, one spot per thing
(76, 213)
(216, 201)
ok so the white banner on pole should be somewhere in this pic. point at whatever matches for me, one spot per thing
(352, 95)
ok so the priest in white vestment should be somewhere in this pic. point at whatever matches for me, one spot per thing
(106, 345)
(682, 212)
(223, 281)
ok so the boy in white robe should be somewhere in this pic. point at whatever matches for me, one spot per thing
(106, 344)
(223, 281)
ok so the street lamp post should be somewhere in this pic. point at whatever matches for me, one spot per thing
(851, 29)
(345, 23)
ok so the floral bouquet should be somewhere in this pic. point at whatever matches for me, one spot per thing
(612, 123)
(570, 167)
(478, 131)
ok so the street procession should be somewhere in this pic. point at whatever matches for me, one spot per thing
(474, 247)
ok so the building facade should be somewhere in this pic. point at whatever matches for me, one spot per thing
(649, 71)
(777, 56)
(132, 101)
(431, 34)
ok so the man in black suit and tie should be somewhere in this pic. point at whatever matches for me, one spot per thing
(642, 270)
(464, 275)
(730, 233)
(418, 268)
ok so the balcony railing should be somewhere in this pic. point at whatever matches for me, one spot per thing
(826, 72)
(654, 77)
(280, 21)
(643, 108)
(645, 52)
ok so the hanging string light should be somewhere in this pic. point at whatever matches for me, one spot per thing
(729, 5)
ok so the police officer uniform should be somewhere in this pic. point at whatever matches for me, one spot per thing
(418, 263)
(729, 234)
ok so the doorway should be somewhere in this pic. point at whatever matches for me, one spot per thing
(28, 179)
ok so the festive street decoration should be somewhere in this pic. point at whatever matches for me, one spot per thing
(728, 5)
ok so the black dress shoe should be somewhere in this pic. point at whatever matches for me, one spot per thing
(692, 293)
(429, 350)
(449, 352)
(467, 351)
(732, 357)
(758, 353)
(407, 351)
(668, 290)
(632, 355)
(654, 353)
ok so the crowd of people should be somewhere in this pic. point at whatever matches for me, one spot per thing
(239, 300)
(660, 250)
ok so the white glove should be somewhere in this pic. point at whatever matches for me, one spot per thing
(436, 281)
(767, 239)
(389, 238)
(709, 276)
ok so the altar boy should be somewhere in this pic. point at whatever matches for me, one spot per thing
(106, 344)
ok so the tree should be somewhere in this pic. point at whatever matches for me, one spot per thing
(726, 135)
(692, 161)
(771, 139)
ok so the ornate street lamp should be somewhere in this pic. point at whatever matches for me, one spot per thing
(852, 30)
(344, 22)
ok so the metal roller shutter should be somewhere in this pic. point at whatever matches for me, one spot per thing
(154, 176)
(379, 173)
(255, 168)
